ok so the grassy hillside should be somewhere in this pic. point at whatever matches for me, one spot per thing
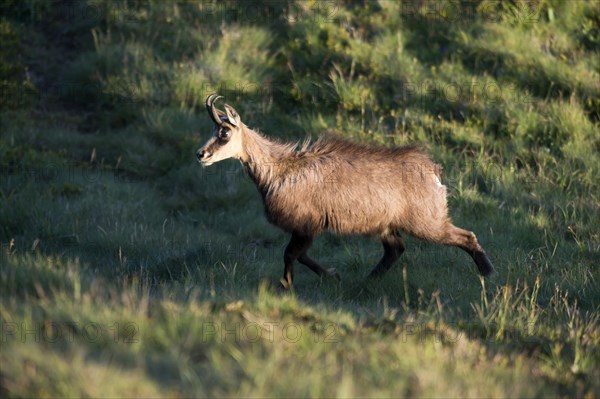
(128, 270)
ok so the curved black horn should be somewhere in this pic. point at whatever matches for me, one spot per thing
(210, 100)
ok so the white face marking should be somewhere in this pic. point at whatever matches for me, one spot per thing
(227, 139)
(225, 143)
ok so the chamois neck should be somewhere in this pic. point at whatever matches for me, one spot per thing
(263, 157)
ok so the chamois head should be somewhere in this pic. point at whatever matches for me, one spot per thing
(226, 141)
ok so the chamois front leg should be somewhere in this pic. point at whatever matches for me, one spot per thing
(393, 247)
(315, 267)
(297, 246)
(296, 249)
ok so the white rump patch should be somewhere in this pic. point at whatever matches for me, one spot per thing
(439, 186)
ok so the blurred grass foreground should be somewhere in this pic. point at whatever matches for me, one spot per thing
(129, 271)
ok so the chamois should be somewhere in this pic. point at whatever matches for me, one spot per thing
(342, 187)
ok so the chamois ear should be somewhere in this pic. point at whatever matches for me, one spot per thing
(232, 115)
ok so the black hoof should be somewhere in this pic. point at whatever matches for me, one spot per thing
(483, 263)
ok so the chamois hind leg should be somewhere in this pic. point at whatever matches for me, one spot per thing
(467, 241)
(393, 247)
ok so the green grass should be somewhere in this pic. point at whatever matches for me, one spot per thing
(128, 270)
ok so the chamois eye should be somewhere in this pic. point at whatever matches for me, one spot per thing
(224, 134)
